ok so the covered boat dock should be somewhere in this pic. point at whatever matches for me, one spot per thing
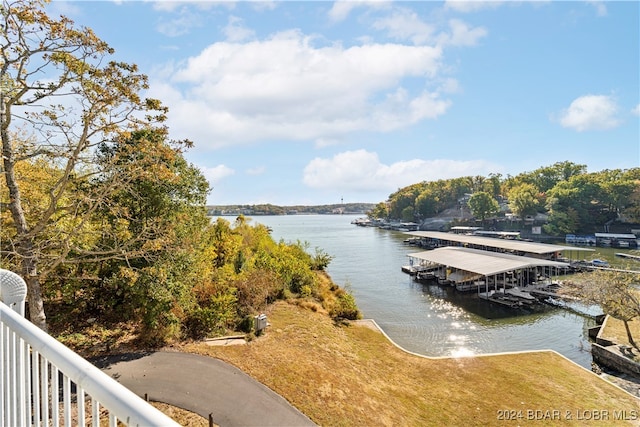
(563, 253)
(459, 265)
(506, 271)
(498, 277)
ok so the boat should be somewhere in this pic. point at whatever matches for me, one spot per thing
(523, 296)
(469, 286)
(499, 297)
(599, 263)
(425, 276)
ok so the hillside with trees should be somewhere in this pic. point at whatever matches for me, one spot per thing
(103, 216)
(269, 209)
(571, 199)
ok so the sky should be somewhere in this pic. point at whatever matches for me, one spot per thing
(324, 102)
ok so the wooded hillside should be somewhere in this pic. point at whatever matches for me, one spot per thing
(574, 200)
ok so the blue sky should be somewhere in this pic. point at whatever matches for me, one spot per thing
(317, 102)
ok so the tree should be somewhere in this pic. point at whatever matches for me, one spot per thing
(582, 194)
(618, 188)
(404, 198)
(379, 211)
(632, 211)
(162, 204)
(616, 292)
(523, 199)
(407, 214)
(426, 204)
(493, 184)
(562, 222)
(59, 85)
(482, 205)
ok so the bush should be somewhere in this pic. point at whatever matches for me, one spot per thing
(321, 260)
(215, 316)
(345, 307)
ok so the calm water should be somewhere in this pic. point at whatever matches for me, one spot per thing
(427, 319)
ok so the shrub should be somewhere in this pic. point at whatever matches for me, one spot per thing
(345, 307)
(215, 316)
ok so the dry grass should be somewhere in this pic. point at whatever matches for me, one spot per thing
(350, 375)
(181, 416)
(615, 331)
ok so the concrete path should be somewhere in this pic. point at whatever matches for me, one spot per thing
(203, 385)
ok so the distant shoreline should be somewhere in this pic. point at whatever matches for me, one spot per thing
(268, 209)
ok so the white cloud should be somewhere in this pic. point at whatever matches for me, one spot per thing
(263, 5)
(362, 170)
(182, 16)
(450, 85)
(466, 6)
(462, 34)
(601, 8)
(591, 112)
(178, 25)
(216, 174)
(236, 31)
(405, 24)
(286, 88)
(171, 6)
(636, 110)
(341, 8)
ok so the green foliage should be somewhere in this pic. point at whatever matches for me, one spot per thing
(575, 201)
(379, 211)
(48, 64)
(483, 205)
(345, 307)
(547, 177)
(524, 200)
(269, 209)
(321, 260)
(110, 223)
(427, 199)
(404, 198)
(215, 316)
(561, 223)
(631, 211)
(407, 214)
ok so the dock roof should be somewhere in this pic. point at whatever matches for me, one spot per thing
(482, 262)
(491, 242)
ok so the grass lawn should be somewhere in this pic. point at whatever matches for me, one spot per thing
(351, 375)
(615, 331)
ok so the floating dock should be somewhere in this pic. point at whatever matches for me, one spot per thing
(629, 256)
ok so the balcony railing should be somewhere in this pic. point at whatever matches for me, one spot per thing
(44, 383)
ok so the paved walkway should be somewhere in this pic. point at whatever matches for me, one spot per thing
(203, 385)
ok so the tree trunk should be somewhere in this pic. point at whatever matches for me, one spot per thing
(34, 290)
(25, 243)
(629, 337)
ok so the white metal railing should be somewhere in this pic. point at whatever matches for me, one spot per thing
(44, 383)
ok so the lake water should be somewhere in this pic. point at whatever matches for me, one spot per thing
(427, 319)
